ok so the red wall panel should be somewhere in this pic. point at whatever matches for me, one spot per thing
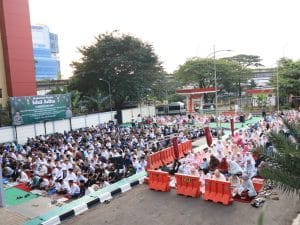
(17, 47)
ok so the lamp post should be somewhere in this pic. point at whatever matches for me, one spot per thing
(215, 77)
(109, 91)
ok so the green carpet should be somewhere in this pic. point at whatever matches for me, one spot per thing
(11, 195)
(237, 125)
(84, 200)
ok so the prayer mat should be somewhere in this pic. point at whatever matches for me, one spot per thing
(23, 187)
(15, 196)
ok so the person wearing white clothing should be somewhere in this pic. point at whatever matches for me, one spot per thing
(63, 187)
(70, 175)
(23, 177)
(74, 190)
(247, 185)
(218, 176)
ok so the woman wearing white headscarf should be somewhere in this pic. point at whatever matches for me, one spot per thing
(247, 185)
(235, 184)
(234, 168)
(250, 169)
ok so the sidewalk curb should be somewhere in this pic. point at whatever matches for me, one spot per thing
(96, 200)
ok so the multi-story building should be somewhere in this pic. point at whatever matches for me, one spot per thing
(16, 56)
(45, 50)
(263, 76)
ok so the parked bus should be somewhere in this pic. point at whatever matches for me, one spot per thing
(171, 109)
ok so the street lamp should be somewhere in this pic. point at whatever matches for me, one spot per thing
(215, 77)
(109, 91)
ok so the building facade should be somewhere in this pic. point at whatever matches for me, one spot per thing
(45, 50)
(16, 54)
(263, 76)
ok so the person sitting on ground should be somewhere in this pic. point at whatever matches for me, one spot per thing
(218, 176)
(223, 167)
(35, 181)
(63, 187)
(44, 184)
(23, 178)
(247, 186)
(82, 188)
(235, 184)
(194, 172)
(204, 174)
(234, 168)
(74, 191)
(213, 163)
(204, 164)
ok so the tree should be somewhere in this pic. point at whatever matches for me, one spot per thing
(76, 98)
(253, 84)
(125, 62)
(246, 62)
(199, 72)
(283, 164)
(288, 77)
(94, 103)
(165, 89)
(262, 100)
(5, 115)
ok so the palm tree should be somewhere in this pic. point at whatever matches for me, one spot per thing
(95, 103)
(283, 164)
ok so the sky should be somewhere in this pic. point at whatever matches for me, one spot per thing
(177, 29)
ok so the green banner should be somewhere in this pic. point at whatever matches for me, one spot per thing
(35, 109)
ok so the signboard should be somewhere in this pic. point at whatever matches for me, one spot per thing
(35, 109)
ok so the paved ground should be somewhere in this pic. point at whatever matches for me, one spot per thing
(141, 206)
(7, 217)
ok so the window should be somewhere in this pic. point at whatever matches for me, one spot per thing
(0, 92)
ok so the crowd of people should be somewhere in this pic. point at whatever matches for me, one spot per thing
(235, 159)
(81, 161)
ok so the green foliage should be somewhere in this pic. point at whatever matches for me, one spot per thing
(76, 99)
(260, 220)
(289, 77)
(283, 165)
(165, 89)
(5, 119)
(129, 65)
(95, 103)
(261, 100)
(252, 84)
(199, 72)
(247, 61)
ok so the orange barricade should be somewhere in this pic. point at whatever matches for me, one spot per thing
(187, 147)
(164, 156)
(149, 162)
(159, 180)
(187, 185)
(217, 191)
(258, 183)
(156, 162)
(180, 150)
(172, 153)
(169, 155)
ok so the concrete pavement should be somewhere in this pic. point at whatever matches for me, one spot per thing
(9, 217)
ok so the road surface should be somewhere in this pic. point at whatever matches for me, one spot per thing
(141, 206)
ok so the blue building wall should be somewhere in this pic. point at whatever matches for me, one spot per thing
(45, 48)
